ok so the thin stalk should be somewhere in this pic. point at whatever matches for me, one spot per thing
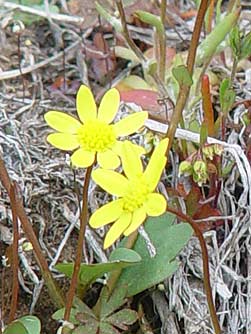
(206, 272)
(184, 89)
(14, 264)
(209, 18)
(234, 69)
(53, 289)
(162, 42)
(80, 245)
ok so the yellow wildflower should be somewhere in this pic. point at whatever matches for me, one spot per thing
(135, 196)
(94, 135)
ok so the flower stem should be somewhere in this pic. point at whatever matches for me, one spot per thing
(206, 272)
(185, 89)
(81, 240)
(15, 284)
(162, 42)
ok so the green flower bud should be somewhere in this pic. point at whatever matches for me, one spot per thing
(208, 152)
(218, 149)
(200, 174)
(185, 168)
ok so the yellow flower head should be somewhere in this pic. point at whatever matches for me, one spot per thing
(135, 194)
(93, 135)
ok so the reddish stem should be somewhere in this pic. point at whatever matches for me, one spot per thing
(206, 272)
(27, 227)
(14, 263)
(80, 245)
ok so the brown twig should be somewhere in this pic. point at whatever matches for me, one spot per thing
(80, 245)
(206, 272)
(185, 89)
(27, 227)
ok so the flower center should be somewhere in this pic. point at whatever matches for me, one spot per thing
(136, 194)
(96, 136)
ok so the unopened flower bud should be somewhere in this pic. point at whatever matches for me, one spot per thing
(218, 149)
(185, 168)
(208, 152)
(200, 174)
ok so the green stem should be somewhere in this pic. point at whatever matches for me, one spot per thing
(185, 89)
(80, 244)
(162, 42)
(206, 272)
(234, 69)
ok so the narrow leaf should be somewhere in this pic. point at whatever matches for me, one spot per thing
(208, 47)
(207, 105)
(182, 75)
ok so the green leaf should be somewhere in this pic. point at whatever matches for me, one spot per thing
(126, 53)
(151, 19)
(168, 240)
(31, 323)
(235, 41)
(123, 318)
(106, 328)
(116, 23)
(28, 324)
(88, 328)
(14, 328)
(59, 315)
(79, 307)
(112, 303)
(182, 75)
(208, 47)
(246, 46)
(227, 96)
(125, 255)
(203, 133)
(90, 272)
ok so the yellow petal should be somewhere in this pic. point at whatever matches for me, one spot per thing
(118, 147)
(109, 106)
(86, 106)
(156, 164)
(130, 124)
(117, 229)
(155, 204)
(108, 159)
(107, 214)
(131, 162)
(82, 158)
(63, 141)
(138, 218)
(62, 122)
(112, 182)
